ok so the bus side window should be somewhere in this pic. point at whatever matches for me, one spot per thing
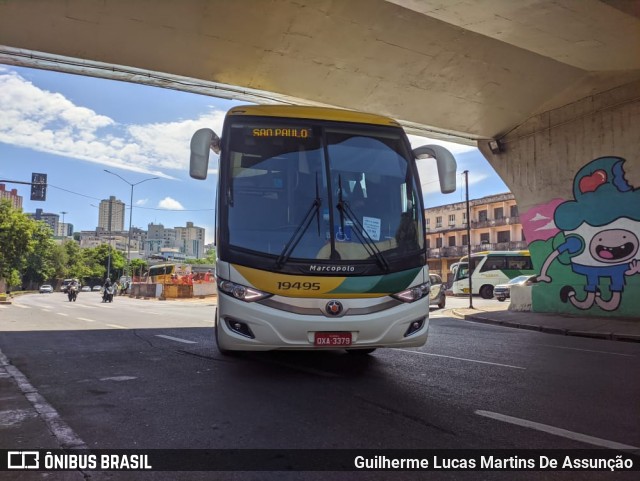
(494, 263)
(519, 263)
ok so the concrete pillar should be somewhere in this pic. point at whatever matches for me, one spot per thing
(575, 173)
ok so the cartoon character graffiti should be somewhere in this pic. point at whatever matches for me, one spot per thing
(600, 235)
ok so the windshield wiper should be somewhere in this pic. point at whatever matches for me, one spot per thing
(361, 233)
(314, 210)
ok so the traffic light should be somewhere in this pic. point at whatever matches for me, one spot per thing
(38, 186)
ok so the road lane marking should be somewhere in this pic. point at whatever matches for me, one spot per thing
(45, 310)
(85, 319)
(589, 350)
(177, 339)
(556, 431)
(461, 359)
(119, 378)
(66, 437)
(116, 326)
(62, 314)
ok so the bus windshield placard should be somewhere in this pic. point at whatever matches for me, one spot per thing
(280, 132)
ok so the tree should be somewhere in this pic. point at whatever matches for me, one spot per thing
(15, 233)
(138, 266)
(41, 261)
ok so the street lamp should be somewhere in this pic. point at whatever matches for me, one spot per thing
(64, 234)
(109, 261)
(130, 213)
(466, 183)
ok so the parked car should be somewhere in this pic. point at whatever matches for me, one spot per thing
(437, 295)
(96, 288)
(503, 291)
(86, 289)
(46, 288)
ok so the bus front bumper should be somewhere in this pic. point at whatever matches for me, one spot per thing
(265, 328)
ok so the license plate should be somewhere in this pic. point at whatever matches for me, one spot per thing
(332, 339)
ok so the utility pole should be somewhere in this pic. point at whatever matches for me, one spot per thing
(466, 183)
(64, 232)
(130, 214)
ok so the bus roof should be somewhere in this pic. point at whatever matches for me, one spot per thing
(501, 253)
(314, 113)
(525, 253)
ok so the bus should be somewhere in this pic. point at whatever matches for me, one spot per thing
(320, 239)
(165, 273)
(172, 273)
(488, 269)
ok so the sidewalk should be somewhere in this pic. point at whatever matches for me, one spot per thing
(595, 327)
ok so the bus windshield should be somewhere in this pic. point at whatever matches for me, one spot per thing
(317, 191)
(462, 269)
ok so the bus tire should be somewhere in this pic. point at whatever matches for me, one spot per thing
(486, 291)
(361, 352)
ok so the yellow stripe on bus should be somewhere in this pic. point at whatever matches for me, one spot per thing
(315, 113)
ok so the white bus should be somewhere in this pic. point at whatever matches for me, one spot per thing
(320, 235)
(488, 269)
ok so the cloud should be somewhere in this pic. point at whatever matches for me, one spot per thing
(48, 122)
(141, 202)
(171, 204)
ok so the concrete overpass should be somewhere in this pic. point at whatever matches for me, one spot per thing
(543, 87)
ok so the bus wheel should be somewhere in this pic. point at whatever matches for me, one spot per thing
(361, 352)
(486, 292)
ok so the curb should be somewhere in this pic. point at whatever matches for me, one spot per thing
(610, 336)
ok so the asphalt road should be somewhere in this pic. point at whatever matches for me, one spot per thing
(146, 375)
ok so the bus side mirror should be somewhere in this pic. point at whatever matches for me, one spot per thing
(446, 163)
(201, 142)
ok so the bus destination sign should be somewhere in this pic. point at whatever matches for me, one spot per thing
(289, 132)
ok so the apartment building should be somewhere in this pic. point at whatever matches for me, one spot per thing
(51, 219)
(191, 240)
(495, 225)
(188, 240)
(111, 214)
(12, 196)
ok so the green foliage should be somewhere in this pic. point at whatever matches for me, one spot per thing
(210, 258)
(15, 233)
(138, 266)
(40, 262)
(29, 254)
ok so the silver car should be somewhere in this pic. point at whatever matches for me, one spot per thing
(503, 291)
(437, 296)
(46, 288)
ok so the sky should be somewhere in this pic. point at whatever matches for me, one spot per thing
(72, 127)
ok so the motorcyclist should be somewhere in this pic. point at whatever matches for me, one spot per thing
(106, 287)
(72, 290)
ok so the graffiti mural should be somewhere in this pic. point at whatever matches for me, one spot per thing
(587, 250)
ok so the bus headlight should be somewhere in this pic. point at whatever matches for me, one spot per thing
(244, 293)
(414, 293)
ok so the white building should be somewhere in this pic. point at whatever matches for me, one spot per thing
(191, 240)
(188, 240)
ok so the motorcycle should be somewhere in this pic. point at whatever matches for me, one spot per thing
(72, 293)
(107, 295)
